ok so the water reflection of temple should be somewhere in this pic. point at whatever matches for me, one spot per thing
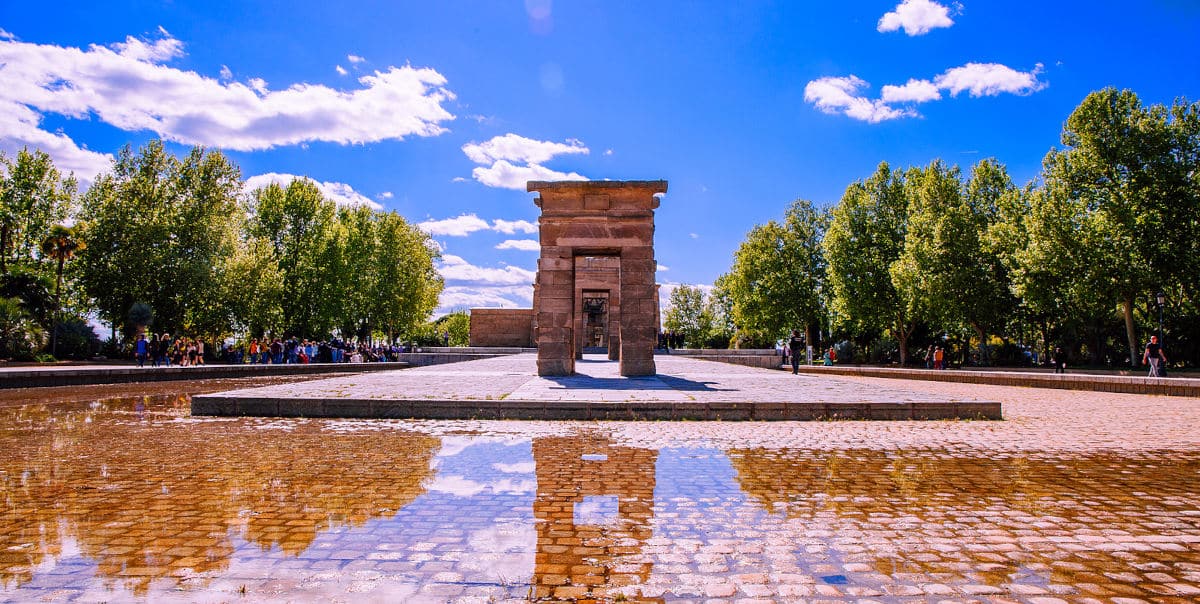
(164, 501)
(594, 506)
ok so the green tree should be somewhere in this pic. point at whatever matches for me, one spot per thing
(157, 230)
(775, 282)
(948, 264)
(865, 239)
(301, 227)
(1127, 176)
(60, 245)
(33, 197)
(689, 314)
(406, 285)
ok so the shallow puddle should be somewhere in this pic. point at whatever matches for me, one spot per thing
(108, 496)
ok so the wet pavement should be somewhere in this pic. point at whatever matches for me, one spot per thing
(115, 493)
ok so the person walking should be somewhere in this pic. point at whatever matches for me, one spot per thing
(141, 348)
(1155, 357)
(1060, 360)
(795, 346)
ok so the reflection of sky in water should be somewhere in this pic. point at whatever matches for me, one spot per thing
(597, 510)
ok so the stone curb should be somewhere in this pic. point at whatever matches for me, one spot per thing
(233, 406)
(1063, 381)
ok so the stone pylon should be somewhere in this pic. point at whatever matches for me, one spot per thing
(596, 219)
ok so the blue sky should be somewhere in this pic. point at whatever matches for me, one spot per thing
(441, 110)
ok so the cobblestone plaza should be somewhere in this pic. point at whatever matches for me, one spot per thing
(116, 493)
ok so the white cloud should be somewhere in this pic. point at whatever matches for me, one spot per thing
(507, 176)
(258, 85)
(509, 227)
(456, 297)
(340, 70)
(916, 17)
(158, 51)
(517, 148)
(662, 269)
(226, 73)
(340, 193)
(355, 59)
(5, 35)
(385, 195)
(128, 86)
(466, 224)
(608, 151)
(454, 227)
(456, 269)
(990, 79)
(525, 467)
(914, 91)
(693, 235)
(20, 128)
(840, 95)
(506, 152)
(526, 245)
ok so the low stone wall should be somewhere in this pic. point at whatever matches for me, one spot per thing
(425, 358)
(761, 358)
(502, 327)
(1063, 381)
(46, 377)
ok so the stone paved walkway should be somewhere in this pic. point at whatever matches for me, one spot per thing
(508, 387)
(1078, 497)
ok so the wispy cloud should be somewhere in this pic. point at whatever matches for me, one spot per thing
(913, 91)
(130, 86)
(842, 95)
(990, 79)
(916, 17)
(510, 227)
(517, 148)
(338, 192)
(355, 59)
(511, 160)
(460, 226)
(526, 245)
(456, 269)
(465, 224)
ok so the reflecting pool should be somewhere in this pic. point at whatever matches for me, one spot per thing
(114, 496)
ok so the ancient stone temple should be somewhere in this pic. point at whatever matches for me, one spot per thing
(595, 281)
(597, 261)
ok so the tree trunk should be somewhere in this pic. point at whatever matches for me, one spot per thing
(1045, 326)
(1127, 307)
(983, 353)
(902, 337)
(4, 231)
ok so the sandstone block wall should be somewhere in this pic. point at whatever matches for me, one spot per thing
(508, 327)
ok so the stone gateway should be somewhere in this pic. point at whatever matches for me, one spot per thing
(595, 277)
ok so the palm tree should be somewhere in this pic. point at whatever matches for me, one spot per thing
(61, 244)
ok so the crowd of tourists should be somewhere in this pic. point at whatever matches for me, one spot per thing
(279, 351)
(164, 351)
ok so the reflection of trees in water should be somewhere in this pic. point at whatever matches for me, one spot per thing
(928, 512)
(591, 561)
(162, 500)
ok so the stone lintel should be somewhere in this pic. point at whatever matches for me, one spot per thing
(599, 186)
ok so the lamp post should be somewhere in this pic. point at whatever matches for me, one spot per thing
(1161, 298)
